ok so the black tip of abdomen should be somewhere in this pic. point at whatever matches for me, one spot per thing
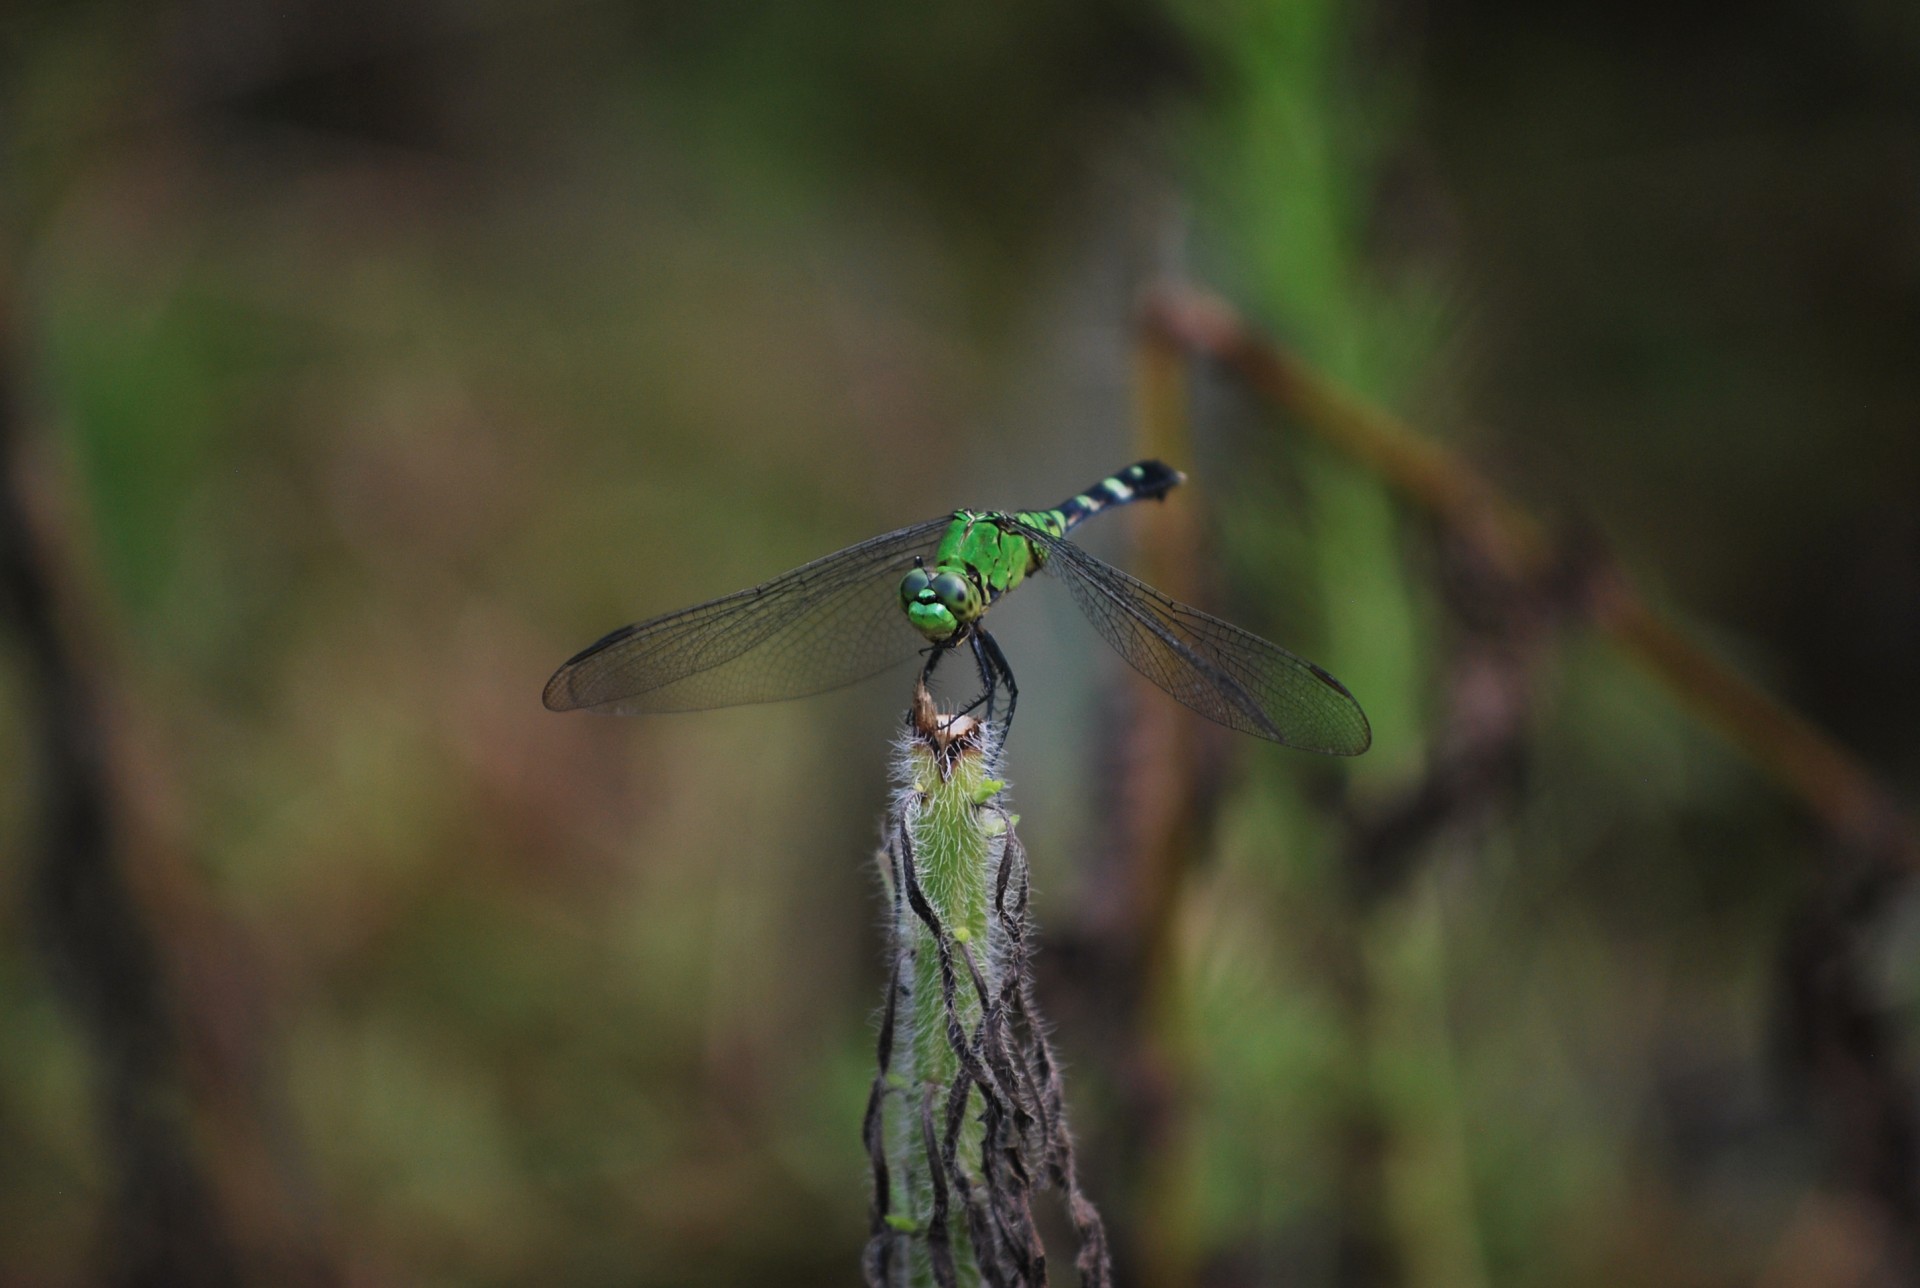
(1151, 479)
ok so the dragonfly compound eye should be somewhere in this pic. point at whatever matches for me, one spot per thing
(954, 591)
(912, 584)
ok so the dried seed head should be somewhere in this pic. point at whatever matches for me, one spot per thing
(948, 736)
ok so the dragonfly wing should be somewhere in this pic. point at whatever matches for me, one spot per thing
(821, 626)
(1228, 675)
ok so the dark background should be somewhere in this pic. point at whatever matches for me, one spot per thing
(366, 360)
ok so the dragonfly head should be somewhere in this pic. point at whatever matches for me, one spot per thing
(939, 603)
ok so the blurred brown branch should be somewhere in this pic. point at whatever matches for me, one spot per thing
(164, 1228)
(1162, 772)
(1799, 756)
(1842, 1050)
(1519, 580)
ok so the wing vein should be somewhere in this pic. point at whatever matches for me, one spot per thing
(1228, 675)
(825, 624)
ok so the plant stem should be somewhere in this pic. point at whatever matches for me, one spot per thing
(946, 836)
(967, 1116)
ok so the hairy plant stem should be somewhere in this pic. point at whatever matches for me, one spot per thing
(966, 1119)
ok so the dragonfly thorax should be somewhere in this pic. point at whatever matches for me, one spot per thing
(941, 602)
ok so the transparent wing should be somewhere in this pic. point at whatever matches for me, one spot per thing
(1226, 674)
(821, 626)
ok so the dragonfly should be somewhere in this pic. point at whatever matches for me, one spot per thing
(928, 588)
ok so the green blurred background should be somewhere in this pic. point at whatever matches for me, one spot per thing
(377, 356)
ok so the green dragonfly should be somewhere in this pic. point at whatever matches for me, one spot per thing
(928, 587)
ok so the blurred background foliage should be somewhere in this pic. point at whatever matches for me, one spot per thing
(374, 357)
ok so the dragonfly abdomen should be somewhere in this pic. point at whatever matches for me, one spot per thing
(1146, 481)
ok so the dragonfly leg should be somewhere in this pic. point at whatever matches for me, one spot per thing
(987, 652)
(989, 686)
(934, 655)
(926, 673)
